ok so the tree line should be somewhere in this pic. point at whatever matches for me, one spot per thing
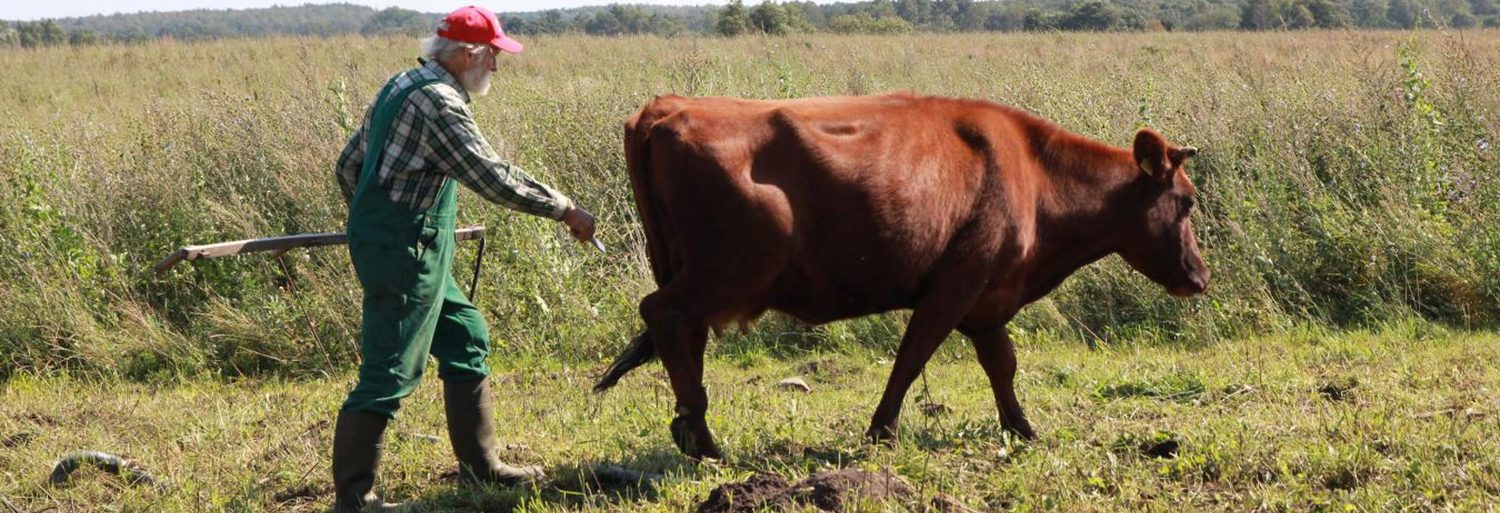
(887, 16)
(770, 17)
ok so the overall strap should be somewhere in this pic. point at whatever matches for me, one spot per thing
(388, 103)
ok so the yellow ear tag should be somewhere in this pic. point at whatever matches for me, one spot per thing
(1145, 169)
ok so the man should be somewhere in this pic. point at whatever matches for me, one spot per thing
(399, 173)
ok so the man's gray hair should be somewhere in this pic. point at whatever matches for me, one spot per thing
(440, 48)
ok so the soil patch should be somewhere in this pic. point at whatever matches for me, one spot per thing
(760, 492)
(831, 491)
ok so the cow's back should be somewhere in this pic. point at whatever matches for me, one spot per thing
(826, 208)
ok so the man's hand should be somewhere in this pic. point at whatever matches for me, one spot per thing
(580, 223)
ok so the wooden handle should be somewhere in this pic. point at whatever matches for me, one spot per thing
(280, 244)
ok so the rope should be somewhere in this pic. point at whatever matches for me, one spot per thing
(478, 259)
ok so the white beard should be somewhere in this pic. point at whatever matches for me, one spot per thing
(476, 80)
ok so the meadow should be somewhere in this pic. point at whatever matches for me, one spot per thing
(1342, 359)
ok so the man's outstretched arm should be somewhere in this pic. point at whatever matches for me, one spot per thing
(465, 155)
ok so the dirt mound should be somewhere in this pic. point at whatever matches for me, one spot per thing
(760, 492)
(828, 491)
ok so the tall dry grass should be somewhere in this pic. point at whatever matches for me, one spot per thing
(1347, 180)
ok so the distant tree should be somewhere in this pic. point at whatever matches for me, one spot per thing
(797, 18)
(1169, 17)
(778, 17)
(1216, 17)
(628, 19)
(398, 21)
(551, 22)
(40, 33)
(771, 18)
(974, 16)
(529, 25)
(1297, 16)
(1403, 13)
(1492, 22)
(945, 15)
(1258, 15)
(1369, 13)
(1039, 20)
(812, 15)
(916, 12)
(733, 20)
(8, 36)
(1330, 14)
(52, 33)
(84, 37)
(1092, 15)
(603, 23)
(865, 24)
(1443, 10)
(1138, 21)
(665, 25)
(306, 20)
(877, 9)
(632, 18)
(1009, 17)
(1463, 20)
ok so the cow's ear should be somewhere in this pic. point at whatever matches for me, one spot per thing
(1179, 156)
(1152, 154)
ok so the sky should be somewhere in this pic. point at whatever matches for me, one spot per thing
(34, 10)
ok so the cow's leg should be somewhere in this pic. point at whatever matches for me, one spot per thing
(998, 357)
(931, 322)
(676, 338)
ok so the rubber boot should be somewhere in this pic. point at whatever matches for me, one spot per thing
(356, 456)
(471, 429)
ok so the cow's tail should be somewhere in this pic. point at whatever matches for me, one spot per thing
(638, 163)
(638, 353)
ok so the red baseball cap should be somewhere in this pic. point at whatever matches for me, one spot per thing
(474, 24)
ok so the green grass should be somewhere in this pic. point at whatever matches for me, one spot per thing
(1255, 432)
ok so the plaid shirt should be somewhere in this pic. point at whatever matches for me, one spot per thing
(434, 138)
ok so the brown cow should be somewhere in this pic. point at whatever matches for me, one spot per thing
(832, 208)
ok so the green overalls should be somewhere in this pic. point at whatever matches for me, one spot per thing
(412, 306)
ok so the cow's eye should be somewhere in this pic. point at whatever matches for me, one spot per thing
(1188, 204)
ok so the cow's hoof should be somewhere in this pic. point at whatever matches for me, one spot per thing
(690, 433)
(1022, 430)
(882, 435)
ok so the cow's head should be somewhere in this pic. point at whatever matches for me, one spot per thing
(1158, 239)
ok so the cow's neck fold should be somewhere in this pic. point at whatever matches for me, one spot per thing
(1082, 208)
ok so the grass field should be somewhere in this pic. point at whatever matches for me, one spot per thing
(1342, 359)
(1405, 419)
